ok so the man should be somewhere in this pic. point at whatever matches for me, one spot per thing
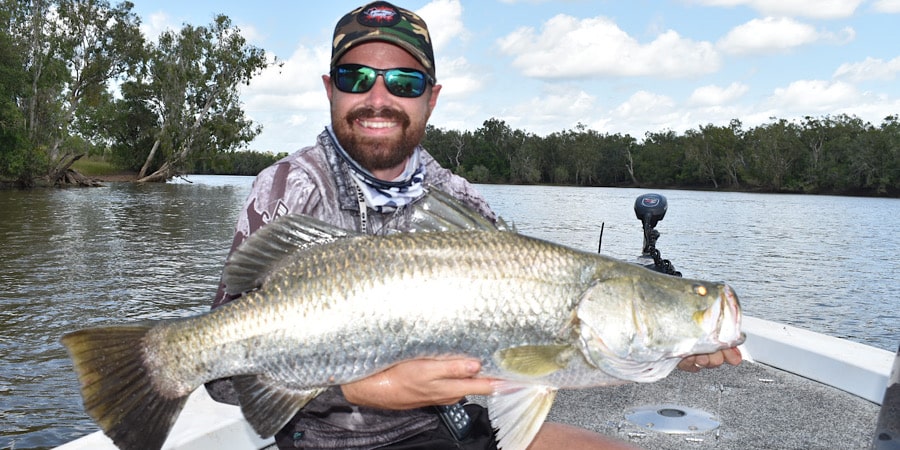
(361, 173)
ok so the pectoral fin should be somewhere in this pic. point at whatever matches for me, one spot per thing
(534, 360)
(517, 411)
(267, 406)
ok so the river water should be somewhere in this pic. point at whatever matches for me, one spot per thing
(79, 257)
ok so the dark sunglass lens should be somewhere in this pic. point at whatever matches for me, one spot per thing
(402, 82)
(405, 82)
(353, 78)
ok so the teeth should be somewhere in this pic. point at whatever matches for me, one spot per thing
(379, 124)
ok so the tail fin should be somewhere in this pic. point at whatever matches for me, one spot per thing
(116, 387)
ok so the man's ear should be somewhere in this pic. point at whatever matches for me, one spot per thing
(326, 80)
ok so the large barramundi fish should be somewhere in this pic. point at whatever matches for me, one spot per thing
(327, 307)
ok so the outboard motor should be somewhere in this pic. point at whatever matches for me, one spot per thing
(650, 209)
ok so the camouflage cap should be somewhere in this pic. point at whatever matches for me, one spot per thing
(382, 21)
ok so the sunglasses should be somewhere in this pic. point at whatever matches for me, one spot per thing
(402, 82)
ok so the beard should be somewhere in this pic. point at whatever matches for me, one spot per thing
(378, 153)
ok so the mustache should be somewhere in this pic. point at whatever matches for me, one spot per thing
(383, 113)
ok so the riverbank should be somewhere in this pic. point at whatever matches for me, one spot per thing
(115, 177)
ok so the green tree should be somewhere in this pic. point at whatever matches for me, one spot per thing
(660, 159)
(15, 154)
(887, 151)
(495, 147)
(449, 147)
(130, 125)
(73, 49)
(714, 154)
(775, 152)
(615, 164)
(583, 154)
(555, 160)
(525, 166)
(191, 85)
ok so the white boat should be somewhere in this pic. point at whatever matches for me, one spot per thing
(796, 389)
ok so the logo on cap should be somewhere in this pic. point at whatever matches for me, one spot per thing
(380, 14)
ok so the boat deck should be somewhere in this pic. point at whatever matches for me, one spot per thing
(756, 405)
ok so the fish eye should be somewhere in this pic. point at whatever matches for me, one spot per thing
(700, 290)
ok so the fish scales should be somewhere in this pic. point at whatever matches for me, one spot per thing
(448, 294)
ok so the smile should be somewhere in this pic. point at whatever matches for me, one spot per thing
(377, 124)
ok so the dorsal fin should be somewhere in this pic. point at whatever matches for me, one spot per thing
(267, 248)
(439, 211)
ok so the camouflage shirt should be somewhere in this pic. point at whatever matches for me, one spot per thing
(316, 182)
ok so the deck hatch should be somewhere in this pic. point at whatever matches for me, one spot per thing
(672, 419)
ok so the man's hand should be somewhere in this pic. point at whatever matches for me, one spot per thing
(418, 383)
(696, 362)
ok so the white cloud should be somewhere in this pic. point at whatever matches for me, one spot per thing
(445, 24)
(644, 104)
(301, 72)
(869, 69)
(568, 47)
(815, 96)
(444, 19)
(458, 78)
(645, 112)
(156, 25)
(290, 100)
(887, 6)
(557, 107)
(713, 95)
(773, 34)
(817, 9)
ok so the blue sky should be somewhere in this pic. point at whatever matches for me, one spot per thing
(614, 66)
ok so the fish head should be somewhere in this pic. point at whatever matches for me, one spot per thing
(639, 325)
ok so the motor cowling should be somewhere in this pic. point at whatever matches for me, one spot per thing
(650, 209)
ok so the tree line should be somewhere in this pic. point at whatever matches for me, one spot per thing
(78, 77)
(832, 154)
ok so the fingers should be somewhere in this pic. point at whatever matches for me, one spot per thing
(689, 364)
(417, 383)
(733, 356)
(451, 368)
(695, 363)
(449, 380)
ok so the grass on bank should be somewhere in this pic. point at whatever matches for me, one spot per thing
(95, 167)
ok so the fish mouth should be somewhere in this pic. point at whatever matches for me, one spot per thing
(729, 319)
(722, 320)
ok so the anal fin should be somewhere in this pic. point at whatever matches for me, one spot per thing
(267, 405)
(518, 411)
